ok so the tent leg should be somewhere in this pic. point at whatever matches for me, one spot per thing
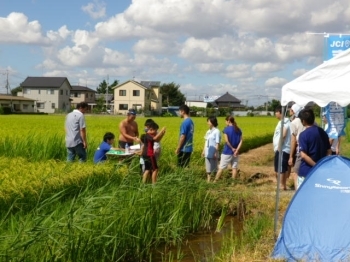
(279, 174)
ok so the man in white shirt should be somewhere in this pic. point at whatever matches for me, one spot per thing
(75, 128)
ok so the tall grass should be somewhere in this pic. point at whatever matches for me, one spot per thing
(120, 221)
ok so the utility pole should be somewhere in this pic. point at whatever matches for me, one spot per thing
(7, 86)
(107, 92)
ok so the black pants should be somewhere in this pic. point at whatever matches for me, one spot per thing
(183, 159)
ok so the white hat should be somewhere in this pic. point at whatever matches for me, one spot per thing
(296, 109)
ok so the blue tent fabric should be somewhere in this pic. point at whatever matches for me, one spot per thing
(316, 225)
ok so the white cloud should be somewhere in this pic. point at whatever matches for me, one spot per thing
(275, 82)
(15, 28)
(299, 72)
(96, 9)
(266, 67)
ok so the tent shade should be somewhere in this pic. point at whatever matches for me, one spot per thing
(325, 83)
(316, 225)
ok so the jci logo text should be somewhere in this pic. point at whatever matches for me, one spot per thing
(345, 43)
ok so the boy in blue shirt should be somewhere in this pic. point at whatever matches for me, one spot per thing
(313, 144)
(105, 146)
(185, 145)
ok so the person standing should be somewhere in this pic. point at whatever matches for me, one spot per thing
(313, 144)
(335, 142)
(185, 145)
(75, 128)
(296, 127)
(128, 129)
(211, 147)
(233, 142)
(285, 146)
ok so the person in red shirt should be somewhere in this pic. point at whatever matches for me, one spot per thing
(148, 154)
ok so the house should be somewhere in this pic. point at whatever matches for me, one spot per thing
(17, 103)
(51, 94)
(144, 96)
(229, 101)
(196, 103)
(83, 94)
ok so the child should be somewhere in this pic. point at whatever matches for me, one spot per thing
(156, 146)
(105, 146)
(148, 153)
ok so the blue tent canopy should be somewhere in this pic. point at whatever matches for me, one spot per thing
(316, 226)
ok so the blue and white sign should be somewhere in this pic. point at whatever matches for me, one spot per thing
(336, 44)
(335, 114)
(336, 119)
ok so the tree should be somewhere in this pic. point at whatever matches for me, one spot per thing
(16, 90)
(101, 89)
(274, 103)
(171, 95)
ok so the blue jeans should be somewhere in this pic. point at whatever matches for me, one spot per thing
(77, 150)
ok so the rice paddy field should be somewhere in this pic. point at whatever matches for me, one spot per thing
(54, 211)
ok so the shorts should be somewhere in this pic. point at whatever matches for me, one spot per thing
(150, 163)
(183, 159)
(226, 160)
(211, 165)
(297, 163)
(122, 144)
(285, 158)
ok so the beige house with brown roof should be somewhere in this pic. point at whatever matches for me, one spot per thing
(82, 94)
(143, 96)
(17, 103)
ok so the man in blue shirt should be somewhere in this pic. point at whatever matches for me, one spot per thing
(313, 144)
(185, 146)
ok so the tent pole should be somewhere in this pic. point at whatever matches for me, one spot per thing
(279, 173)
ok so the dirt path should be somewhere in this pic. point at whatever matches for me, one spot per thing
(259, 160)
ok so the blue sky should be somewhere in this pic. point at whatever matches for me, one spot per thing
(247, 48)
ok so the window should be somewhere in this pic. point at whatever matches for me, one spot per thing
(26, 91)
(122, 92)
(61, 92)
(50, 92)
(25, 106)
(40, 105)
(136, 92)
(91, 95)
(67, 93)
(39, 91)
(53, 105)
(123, 106)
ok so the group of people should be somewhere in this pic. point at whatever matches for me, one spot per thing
(76, 142)
(304, 143)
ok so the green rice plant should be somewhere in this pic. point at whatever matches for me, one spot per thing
(118, 221)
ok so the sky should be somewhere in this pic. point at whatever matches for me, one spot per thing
(249, 48)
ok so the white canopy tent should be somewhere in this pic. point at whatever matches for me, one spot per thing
(328, 82)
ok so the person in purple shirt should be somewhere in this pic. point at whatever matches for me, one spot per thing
(185, 145)
(105, 146)
(313, 144)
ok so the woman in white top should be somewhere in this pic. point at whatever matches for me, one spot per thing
(211, 147)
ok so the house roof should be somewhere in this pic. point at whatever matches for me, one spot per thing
(227, 98)
(143, 84)
(82, 88)
(150, 84)
(18, 98)
(41, 81)
(132, 81)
